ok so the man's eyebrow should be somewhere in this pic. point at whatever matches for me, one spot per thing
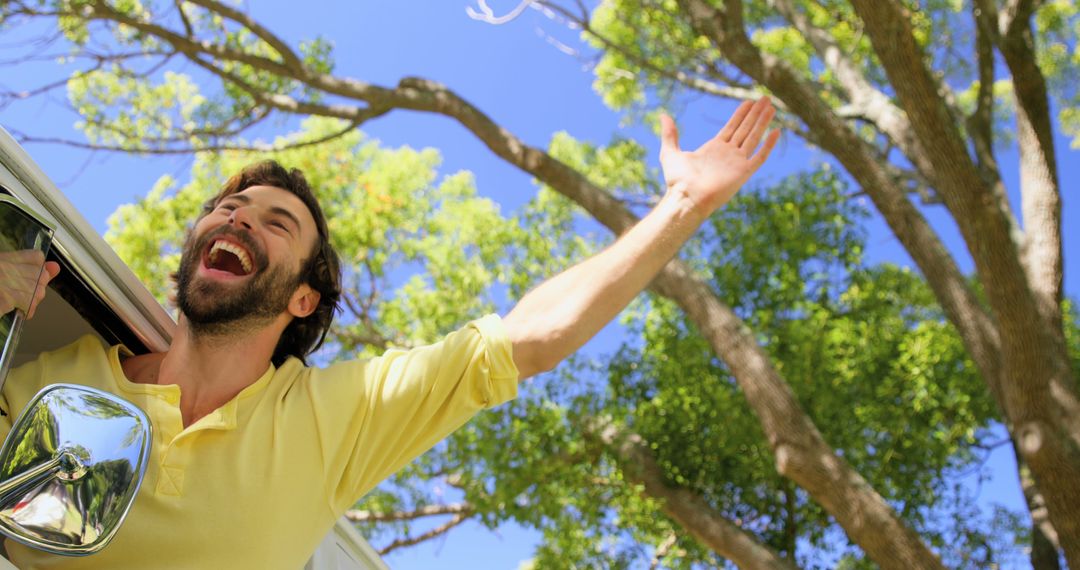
(238, 197)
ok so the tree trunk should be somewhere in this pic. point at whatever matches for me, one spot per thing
(1045, 551)
(1040, 400)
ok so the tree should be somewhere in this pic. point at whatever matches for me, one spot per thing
(862, 81)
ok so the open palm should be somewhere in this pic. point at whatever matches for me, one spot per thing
(712, 174)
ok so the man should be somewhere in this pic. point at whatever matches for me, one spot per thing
(255, 454)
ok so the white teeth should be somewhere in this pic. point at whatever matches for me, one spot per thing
(236, 250)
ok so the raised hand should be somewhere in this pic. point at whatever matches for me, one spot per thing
(21, 277)
(709, 176)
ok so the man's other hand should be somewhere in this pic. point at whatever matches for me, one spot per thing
(709, 176)
(22, 282)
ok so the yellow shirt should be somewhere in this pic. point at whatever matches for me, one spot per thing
(259, 482)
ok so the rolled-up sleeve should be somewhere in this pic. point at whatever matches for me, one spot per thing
(376, 416)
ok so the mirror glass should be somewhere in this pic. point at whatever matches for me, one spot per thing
(20, 229)
(71, 468)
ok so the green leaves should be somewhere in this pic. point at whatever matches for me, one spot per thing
(124, 110)
(1057, 26)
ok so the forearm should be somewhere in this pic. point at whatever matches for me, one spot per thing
(557, 318)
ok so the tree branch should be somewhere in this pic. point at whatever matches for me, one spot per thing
(282, 102)
(866, 167)
(1040, 399)
(487, 15)
(980, 123)
(662, 550)
(410, 541)
(288, 56)
(693, 514)
(869, 102)
(1039, 183)
(356, 515)
(24, 138)
(188, 28)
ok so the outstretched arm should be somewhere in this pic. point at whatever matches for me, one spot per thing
(563, 313)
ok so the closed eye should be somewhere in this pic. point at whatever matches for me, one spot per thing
(281, 226)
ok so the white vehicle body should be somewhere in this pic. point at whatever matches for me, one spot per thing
(96, 293)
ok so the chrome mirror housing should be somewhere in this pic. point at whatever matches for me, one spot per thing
(70, 469)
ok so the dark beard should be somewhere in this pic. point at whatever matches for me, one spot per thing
(213, 309)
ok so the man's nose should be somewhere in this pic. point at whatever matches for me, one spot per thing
(241, 217)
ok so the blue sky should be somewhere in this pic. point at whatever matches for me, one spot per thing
(515, 74)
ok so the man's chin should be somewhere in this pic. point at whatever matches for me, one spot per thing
(212, 301)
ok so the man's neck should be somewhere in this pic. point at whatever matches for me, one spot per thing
(211, 370)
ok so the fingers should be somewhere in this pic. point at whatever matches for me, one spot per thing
(24, 280)
(48, 273)
(761, 122)
(763, 153)
(30, 257)
(756, 120)
(736, 119)
(669, 134)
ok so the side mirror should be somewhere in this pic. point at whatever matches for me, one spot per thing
(70, 469)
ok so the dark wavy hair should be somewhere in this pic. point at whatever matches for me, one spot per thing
(321, 270)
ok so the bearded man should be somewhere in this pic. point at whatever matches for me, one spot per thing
(256, 454)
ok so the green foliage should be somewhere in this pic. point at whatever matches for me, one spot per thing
(650, 55)
(868, 356)
(1057, 26)
(144, 111)
(129, 104)
(642, 32)
(865, 349)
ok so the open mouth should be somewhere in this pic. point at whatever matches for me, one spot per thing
(228, 257)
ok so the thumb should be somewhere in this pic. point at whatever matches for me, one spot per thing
(669, 134)
(52, 268)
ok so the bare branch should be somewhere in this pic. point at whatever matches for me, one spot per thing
(662, 550)
(8, 97)
(980, 123)
(486, 14)
(24, 138)
(356, 515)
(188, 28)
(410, 541)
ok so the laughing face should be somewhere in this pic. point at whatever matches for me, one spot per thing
(241, 264)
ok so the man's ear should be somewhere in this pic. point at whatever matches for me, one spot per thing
(304, 301)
